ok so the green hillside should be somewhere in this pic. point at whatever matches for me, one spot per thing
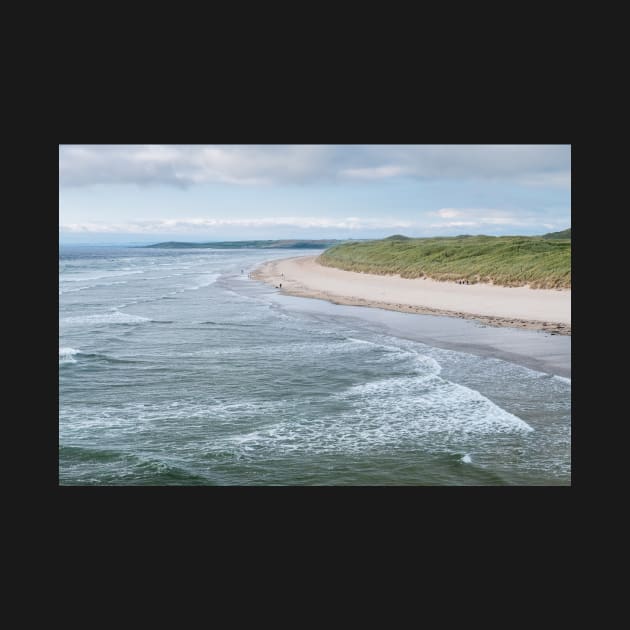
(506, 260)
(564, 234)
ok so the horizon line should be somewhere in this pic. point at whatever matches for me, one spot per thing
(249, 240)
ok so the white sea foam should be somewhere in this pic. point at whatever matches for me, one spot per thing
(426, 364)
(101, 276)
(288, 426)
(381, 414)
(115, 317)
(206, 282)
(428, 403)
(91, 286)
(564, 379)
(370, 343)
(66, 355)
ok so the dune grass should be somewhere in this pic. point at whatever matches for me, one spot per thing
(563, 234)
(504, 260)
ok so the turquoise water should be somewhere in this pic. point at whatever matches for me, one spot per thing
(176, 369)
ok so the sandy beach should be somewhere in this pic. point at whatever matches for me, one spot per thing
(516, 307)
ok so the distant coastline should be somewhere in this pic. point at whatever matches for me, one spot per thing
(278, 244)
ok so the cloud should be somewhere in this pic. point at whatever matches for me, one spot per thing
(449, 213)
(484, 217)
(188, 165)
(473, 218)
(456, 224)
(160, 226)
(376, 172)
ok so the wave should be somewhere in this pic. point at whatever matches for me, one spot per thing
(434, 404)
(66, 355)
(91, 286)
(226, 323)
(91, 466)
(379, 415)
(105, 318)
(401, 411)
(79, 453)
(369, 343)
(564, 379)
(102, 276)
(208, 280)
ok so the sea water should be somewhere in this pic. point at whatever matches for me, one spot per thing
(176, 368)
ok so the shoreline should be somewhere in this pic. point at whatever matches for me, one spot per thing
(548, 310)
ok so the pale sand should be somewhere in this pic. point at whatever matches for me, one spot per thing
(518, 307)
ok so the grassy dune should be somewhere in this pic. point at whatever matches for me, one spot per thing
(564, 234)
(506, 260)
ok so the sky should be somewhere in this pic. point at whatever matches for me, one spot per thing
(115, 194)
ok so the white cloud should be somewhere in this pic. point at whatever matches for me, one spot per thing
(449, 213)
(188, 225)
(484, 217)
(185, 165)
(487, 219)
(376, 172)
(455, 224)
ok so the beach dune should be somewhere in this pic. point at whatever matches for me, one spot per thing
(520, 307)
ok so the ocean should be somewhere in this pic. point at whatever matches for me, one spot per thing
(176, 368)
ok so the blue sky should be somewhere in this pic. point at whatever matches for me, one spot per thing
(149, 193)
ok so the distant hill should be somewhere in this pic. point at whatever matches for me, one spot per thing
(505, 260)
(285, 244)
(397, 237)
(564, 234)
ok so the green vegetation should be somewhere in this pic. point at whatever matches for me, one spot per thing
(397, 237)
(506, 260)
(286, 244)
(564, 234)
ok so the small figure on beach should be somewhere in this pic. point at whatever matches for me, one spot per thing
(281, 285)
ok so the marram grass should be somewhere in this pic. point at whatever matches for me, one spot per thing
(505, 260)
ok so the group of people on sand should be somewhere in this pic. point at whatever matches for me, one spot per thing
(250, 275)
(463, 282)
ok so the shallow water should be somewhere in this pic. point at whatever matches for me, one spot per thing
(176, 369)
